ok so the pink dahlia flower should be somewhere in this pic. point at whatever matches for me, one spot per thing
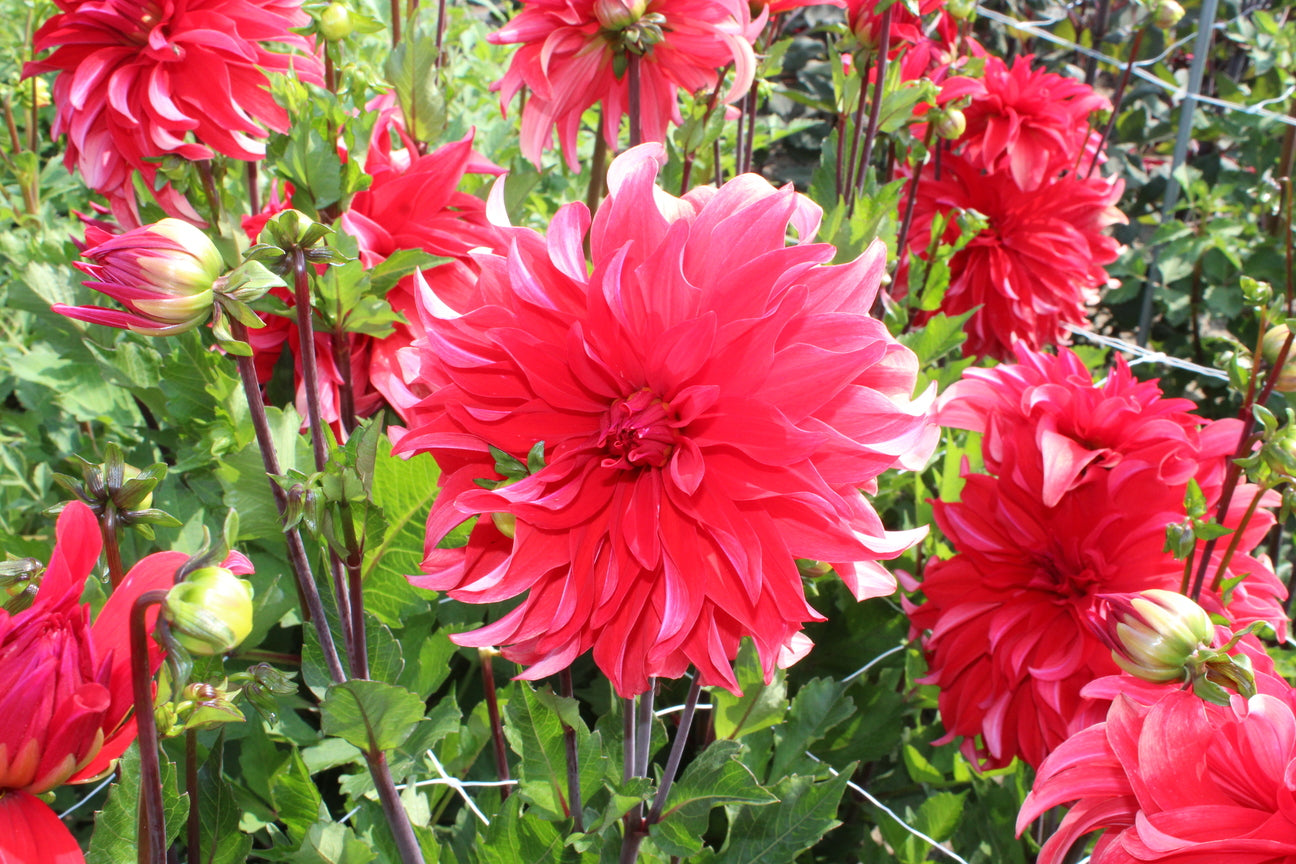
(65, 688)
(1037, 263)
(711, 404)
(1178, 781)
(141, 79)
(1033, 124)
(572, 58)
(1090, 476)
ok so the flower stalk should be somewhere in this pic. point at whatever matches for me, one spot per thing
(487, 656)
(152, 815)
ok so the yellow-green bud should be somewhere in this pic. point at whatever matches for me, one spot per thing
(210, 612)
(335, 22)
(1285, 378)
(1154, 634)
(1167, 14)
(950, 123)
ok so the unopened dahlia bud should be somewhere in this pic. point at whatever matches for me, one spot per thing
(619, 14)
(335, 22)
(1156, 633)
(1167, 14)
(163, 273)
(950, 123)
(210, 612)
(1285, 378)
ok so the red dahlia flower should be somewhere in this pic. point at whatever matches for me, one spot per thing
(1035, 265)
(711, 402)
(65, 688)
(1178, 781)
(138, 77)
(572, 57)
(1090, 476)
(1027, 122)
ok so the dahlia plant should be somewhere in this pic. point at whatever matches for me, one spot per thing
(720, 489)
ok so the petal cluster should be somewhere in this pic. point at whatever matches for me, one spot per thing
(571, 60)
(1024, 162)
(1178, 780)
(710, 401)
(1036, 264)
(65, 692)
(142, 79)
(1083, 480)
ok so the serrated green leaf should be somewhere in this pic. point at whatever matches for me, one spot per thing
(938, 337)
(761, 705)
(806, 810)
(220, 840)
(115, 835)
(370, 714)
(514, 838)
(405, 490)
(715, 777)
(817, 707)
(295, 797)
(535, 732)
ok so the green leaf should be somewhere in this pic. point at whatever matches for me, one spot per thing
(920, 770)
(535, 732)
(115, 838)
(761, 705)
(331, 843)
(514, 838)
(405, 490)
(371, 715)
(411, 69)
(816, 708)
(295, 796)
(805, 811)
(220, 840)
(938, 337)
(937, 817)
(716, 777)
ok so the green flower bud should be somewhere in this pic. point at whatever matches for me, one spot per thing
(1167, 14)
(1155, 634)
(950, 123)
(335, 22)
(1285, 381)
(210, 612)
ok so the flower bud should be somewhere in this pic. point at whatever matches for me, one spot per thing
(1285, 378)
(163, 273)
(619, 14)
(1155, 634)
(950, 123)
(961, 10)
(210, 612)
(1167, 14)
(335, 22)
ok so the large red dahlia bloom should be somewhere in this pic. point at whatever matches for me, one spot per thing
(142, 79)
(711, 403)
(65, 690)
(1090, 476)
(1036, 264)
(571, 59)
(1031, 123)
(1178, 781)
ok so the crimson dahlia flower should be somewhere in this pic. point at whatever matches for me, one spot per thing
(1178, 781)
(1034, 266)
(573, 52)
(65, 688)
(1026, 121)
(142, 79)
(1089, 476)
(711, 402)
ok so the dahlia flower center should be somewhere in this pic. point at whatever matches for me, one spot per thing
(638, 431)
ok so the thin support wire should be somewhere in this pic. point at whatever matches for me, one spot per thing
(460, 786)
(1146, 355)
(876, 660)
(93, 792)
(954, 856)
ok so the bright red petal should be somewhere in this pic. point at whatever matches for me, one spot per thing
(31, 833)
